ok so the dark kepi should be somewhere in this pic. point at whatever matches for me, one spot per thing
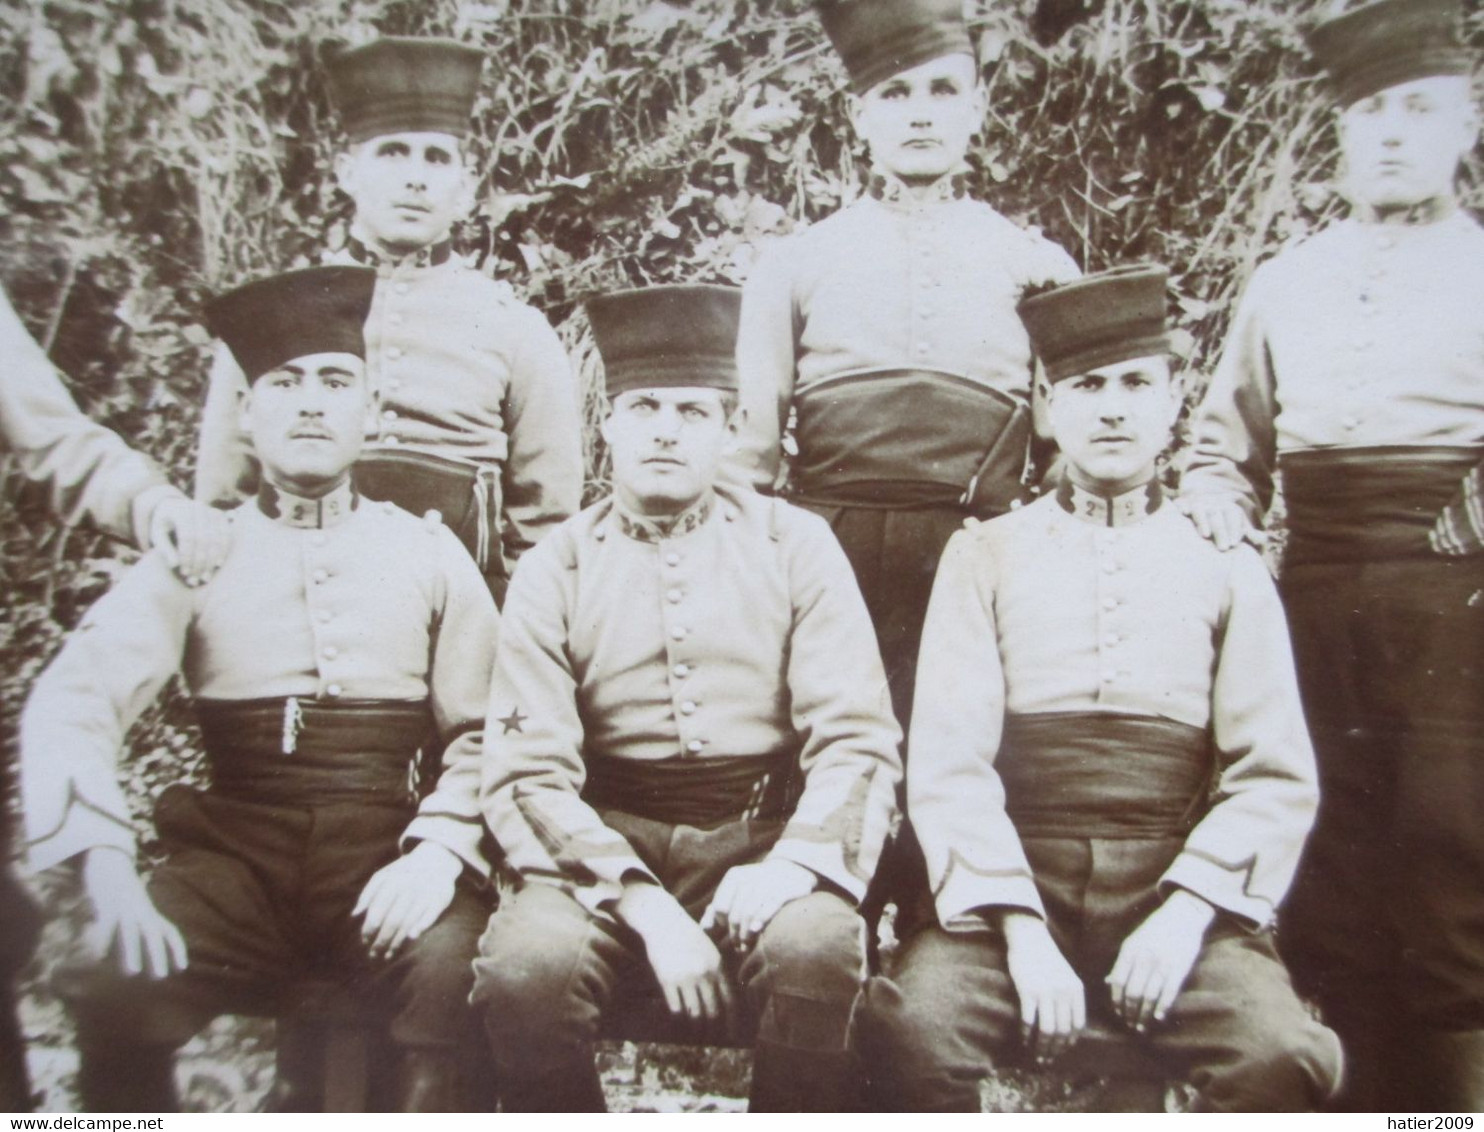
(318, 310)
(1387, 42)
(1099, 320)
(405, 85)
(655, 337)
(877, 39)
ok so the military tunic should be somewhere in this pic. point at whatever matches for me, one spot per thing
(1355, 368)
(338, 601)
(467, 374)
(733, 633)
(1111, 618)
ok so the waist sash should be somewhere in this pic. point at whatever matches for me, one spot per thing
(301, 752)
(1352, 504)
(697, 792)
(910, 438)
(1095, 774)
(466, 495)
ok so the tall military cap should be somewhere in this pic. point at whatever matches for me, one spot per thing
(668, 336)
(1098, 320)
(317, 310)
(405, 85)
(877, 39)
(1386, 42)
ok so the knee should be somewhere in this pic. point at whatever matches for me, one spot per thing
(1295, 1068)
(818, 944)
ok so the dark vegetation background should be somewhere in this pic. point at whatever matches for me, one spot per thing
(155, 151)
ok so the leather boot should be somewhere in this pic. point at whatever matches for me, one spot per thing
(430, 1081)
(573, 1089)
(792, 1080)
(121, 1077)
(1450, 1069)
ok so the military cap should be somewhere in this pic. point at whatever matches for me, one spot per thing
(317, 310)
(1099, 320)
(667, 336)
(1386, 42)
(881, 38)
(404, 85)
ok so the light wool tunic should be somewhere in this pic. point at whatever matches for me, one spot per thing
(1046, 610)
(373, 605)
(1366, 334)
(88, 470)
(885, 283)
(466, 371)
(738, 630)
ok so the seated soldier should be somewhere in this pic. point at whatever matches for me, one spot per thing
(1110, 772)
(338, 638)
(691, 758)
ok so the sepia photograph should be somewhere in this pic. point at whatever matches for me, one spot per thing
(795, 556)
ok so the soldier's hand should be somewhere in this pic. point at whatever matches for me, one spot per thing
(685, 962)
(749, 896)
(1053, 1004)
(192, 536)
(1157, 958)
(126, 922)
(1221, 520)
(405, 898)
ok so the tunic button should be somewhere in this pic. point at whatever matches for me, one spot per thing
(394, 352)
(694, 746)
(333, 690)
(317, 539)
(394, 383)
(677, 633)
(1109, 566)
(1348, 422)
(1386, 243)
(682, 670)
(1111, 640)
(672, 559)
(1110, 604)
(389, 415)
(395, 319)
(331, 652)
(673, 597)
(1109, 677)
(392, 440)
(323, 616)
(400, 288)
(922, 347)
(688, 708)
(320, 576)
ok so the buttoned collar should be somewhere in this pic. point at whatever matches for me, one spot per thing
(646, 528)
(1120, 510)
(1426, 212)
(292, 510)
(895, 193)
(430, 256)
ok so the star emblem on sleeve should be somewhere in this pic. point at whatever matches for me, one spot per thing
(513, 721)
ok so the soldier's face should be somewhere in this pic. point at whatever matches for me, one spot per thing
(307, 420)
(1113, 422)
(1403, 145)
(667, 446)
(408, 189)
(918, 123)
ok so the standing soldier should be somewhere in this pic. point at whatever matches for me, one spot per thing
(339, 638)
(1111, 777)
(479, 416)
(691, 760)
(1355, 367)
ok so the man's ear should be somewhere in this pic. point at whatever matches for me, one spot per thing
(981, 104)
(733, 439)
(345, 164)
(605, 425)
(855, 106)
(244, 409)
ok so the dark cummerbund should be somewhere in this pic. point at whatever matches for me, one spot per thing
(696, 792)
(1350, 504)
(466, 495)
(909, 438)
(302, 752)
(1095, 774)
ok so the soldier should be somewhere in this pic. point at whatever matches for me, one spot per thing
(479, 416)
(889, 328)
(1111, 777)
(1355, 367)
(691, 760)
(339, 637)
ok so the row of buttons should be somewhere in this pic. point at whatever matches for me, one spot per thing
(674, 595)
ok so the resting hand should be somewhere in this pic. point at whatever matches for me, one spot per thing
(1053, 1006)
(1157, 958)
(126, 920)
(192, 536)
(685, 962)
(405, 898)
(749, 896)
(1221, 520)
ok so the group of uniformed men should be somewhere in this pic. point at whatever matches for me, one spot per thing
(680, 741)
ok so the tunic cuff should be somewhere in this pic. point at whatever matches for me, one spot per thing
(827, 861)
(966, 889)
(1224, 886)
(460, 836)
(82, 829)
(143, 512)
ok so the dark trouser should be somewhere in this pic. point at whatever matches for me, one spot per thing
(1237, 1031)
(1385, 923)
(20, 924)
(263, 896)
(548, 970)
